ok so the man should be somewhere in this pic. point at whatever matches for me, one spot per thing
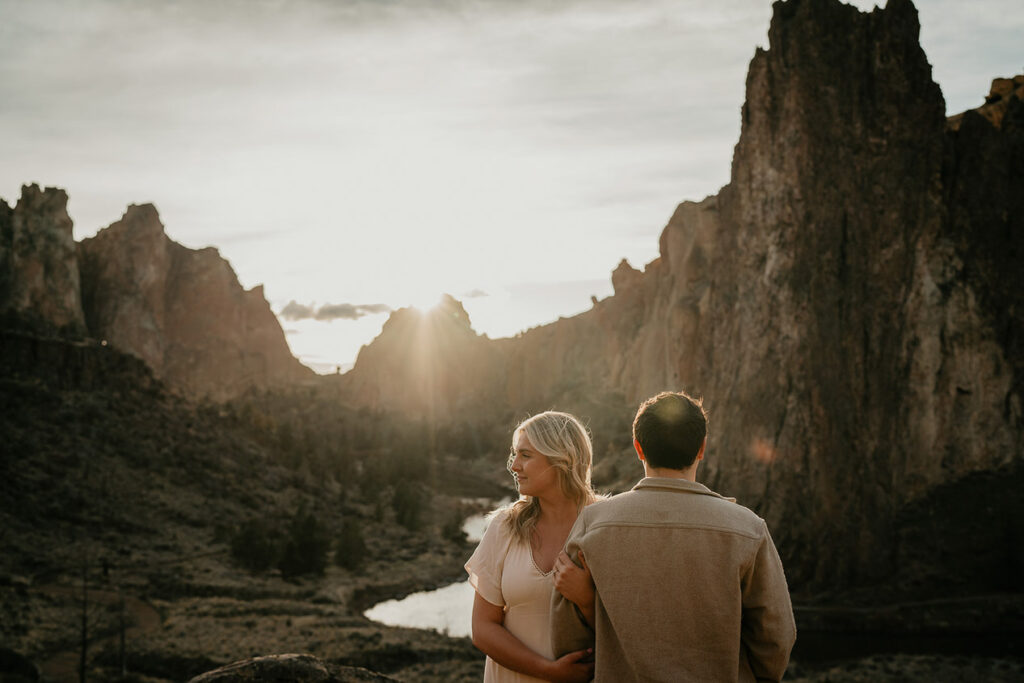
(689, 586)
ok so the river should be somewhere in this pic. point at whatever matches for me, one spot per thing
(448, 609)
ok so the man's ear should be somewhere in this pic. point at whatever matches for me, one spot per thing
(700, 453)
(639, 451)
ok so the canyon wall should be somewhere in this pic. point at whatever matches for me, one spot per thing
(180, 310)
(39, 278)
(848, 306)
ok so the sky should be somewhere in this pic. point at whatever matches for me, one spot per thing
(356, 156)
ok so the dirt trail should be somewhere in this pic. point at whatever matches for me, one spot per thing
(140, 616)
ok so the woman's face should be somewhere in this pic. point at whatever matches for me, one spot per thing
(533, 471)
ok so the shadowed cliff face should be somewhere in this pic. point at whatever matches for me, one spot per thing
(851, 363)
(181, 310)
(427, 364)
(39, 278)
(849, 307)
(826, 233)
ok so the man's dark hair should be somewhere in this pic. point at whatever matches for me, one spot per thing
(670, 429)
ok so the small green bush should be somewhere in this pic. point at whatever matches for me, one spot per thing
(350, 548)
(305, 547)
(410, 505)
(255, 546)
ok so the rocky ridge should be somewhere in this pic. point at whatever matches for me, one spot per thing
(180, 310)
(847, 305)
(39, 278)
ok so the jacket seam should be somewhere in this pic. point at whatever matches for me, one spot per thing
(675, 525)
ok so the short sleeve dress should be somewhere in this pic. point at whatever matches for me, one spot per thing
(503, 572)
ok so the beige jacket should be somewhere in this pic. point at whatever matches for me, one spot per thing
(689, 588)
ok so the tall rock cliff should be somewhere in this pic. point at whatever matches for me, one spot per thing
(39, 278)
(181, 310)
(848, 305)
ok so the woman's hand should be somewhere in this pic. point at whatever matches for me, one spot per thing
(569, 668)
(492, 638)
(576, 584)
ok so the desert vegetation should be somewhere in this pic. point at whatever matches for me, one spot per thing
(213, 532)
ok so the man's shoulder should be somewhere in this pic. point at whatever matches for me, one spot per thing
(691, 505)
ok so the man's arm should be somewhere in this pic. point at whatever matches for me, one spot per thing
(576, 584)
(769, 630)
(569, 632)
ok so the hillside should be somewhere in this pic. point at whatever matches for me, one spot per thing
(848, 305)
(189, 510)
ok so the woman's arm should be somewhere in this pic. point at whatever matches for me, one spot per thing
(576, 585)
(492, 638)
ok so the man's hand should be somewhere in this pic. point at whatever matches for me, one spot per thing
(569, 669)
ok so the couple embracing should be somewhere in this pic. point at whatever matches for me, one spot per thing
(666, 582)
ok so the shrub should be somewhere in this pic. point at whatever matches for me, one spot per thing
(409, 503)
(305, 548)
(255, 547)
(452, 529)
(350, 548)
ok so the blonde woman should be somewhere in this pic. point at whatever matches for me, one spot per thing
(512, 568)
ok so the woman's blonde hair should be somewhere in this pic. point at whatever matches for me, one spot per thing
(566, 443)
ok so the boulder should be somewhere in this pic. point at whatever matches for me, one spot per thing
(290, 668)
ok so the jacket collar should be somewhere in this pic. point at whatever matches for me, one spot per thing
(682, 485)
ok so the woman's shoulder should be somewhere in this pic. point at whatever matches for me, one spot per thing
(498, 520)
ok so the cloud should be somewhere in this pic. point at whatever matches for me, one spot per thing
(296, 311)
(475, 294)
(374, 308)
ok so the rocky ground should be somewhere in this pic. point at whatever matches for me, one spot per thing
(199, 613)
(103, 472)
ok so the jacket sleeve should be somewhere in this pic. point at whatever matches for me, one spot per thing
(769, 629)
(569, 631)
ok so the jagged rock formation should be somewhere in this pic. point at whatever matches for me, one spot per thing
(427, 364)
(848, 305)
(39, 279)
(294, 668)
(181, 310)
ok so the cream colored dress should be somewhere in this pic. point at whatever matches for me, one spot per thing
(503, 572)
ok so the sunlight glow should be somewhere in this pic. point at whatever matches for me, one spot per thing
(354, 154)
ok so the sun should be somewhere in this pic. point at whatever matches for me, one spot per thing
(425, 300)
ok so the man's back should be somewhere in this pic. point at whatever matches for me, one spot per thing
(689, 587)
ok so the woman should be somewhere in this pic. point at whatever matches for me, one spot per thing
(512, 568)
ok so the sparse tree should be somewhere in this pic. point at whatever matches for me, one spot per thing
(305, 548)
(255, 546)
(350, 547)
(409, 503)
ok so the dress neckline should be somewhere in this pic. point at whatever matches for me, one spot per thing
(536, 567)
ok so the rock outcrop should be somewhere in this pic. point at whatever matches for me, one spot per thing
(848, 305)
(39, 278)
(181, 310)
(291, 668)
(427, 364)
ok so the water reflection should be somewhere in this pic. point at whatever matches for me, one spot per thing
(449, 609)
